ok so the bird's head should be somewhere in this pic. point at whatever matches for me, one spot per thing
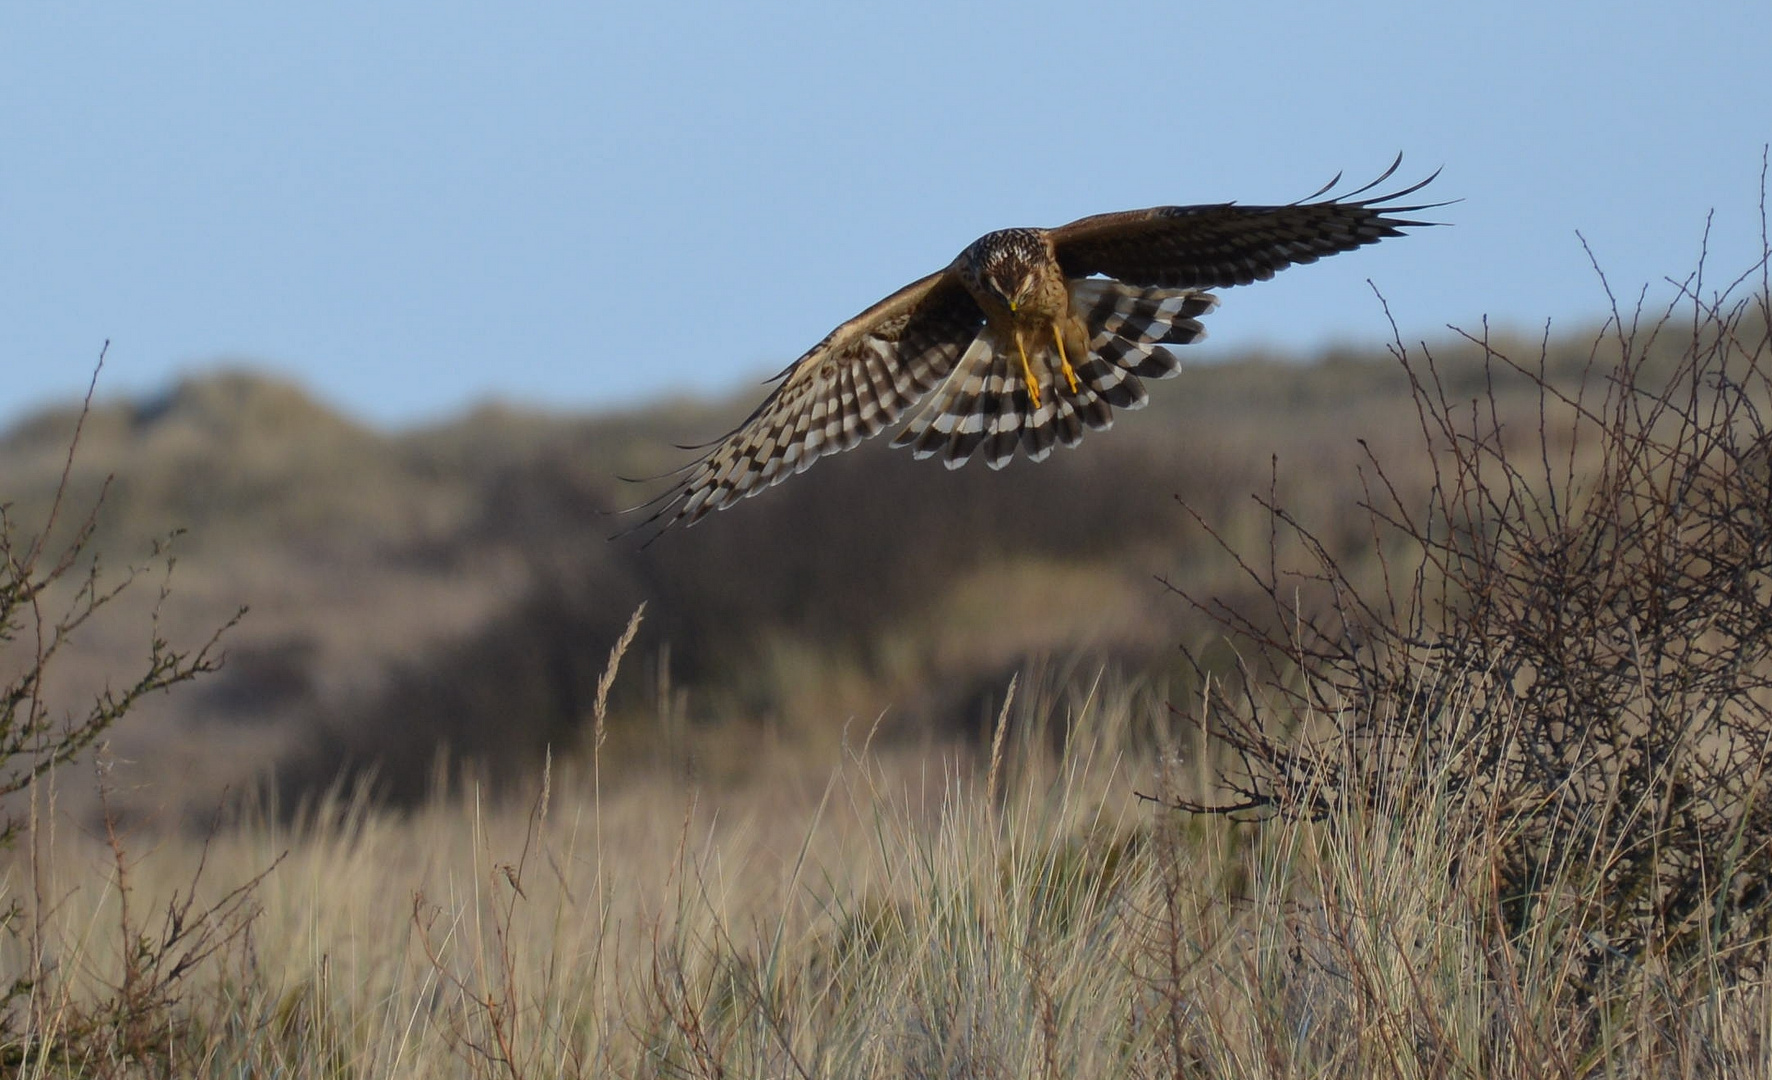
(1004, 266)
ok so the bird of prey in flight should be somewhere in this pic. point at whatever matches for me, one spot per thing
(1026, 339)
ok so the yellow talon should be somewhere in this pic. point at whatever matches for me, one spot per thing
(1027, 372)
(1064, 362)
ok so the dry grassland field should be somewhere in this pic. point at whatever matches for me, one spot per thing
(1389, 715)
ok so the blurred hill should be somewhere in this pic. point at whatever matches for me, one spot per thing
(452, 590)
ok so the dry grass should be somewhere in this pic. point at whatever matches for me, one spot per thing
(884, 918)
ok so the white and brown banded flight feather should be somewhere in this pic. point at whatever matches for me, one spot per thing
(1028, 338)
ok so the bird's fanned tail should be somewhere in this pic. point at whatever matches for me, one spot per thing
(984, 405)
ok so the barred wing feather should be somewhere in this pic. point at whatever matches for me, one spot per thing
(1218, 246)
(859, 379)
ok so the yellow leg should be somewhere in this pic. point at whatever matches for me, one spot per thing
(1064, 362)
(1027, 371)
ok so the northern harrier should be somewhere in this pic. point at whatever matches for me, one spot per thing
(1027, 337)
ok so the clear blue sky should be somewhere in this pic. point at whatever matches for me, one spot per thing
(412, 207)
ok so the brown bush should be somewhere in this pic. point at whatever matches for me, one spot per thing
(1574, 630)
(52, 590)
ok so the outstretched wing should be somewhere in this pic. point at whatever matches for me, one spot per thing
(1199, 247)
(849, 386)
